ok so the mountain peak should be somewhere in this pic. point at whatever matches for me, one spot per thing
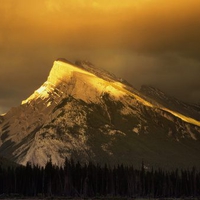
(85, 67)
(82, 63)
(64, 60)
(150, 89)
(86, 113)
(88, 66)
(67, 75)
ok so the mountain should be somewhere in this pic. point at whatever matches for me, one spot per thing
(171, 103)
(88, 114)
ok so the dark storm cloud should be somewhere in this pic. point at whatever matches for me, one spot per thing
(145, 41)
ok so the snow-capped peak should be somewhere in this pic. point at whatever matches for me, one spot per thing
(83, 81)
(68, 74)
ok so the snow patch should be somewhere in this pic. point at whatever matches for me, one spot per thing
(41, 89)
(49, 103)
(105, 147)
(43, 92)
(136, 130)
(190, 132)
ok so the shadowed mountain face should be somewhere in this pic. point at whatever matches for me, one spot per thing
(88, 114)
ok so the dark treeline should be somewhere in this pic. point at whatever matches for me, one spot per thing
(91, 180)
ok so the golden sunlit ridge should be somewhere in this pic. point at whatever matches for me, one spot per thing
(63, 72)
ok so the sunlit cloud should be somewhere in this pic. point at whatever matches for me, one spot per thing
(144, 41)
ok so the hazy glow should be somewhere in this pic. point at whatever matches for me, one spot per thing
(145, 41)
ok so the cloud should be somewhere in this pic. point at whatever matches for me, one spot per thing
(144, 41)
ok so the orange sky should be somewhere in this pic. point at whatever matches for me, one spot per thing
(145, 41)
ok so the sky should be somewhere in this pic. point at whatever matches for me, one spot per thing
(151, 42)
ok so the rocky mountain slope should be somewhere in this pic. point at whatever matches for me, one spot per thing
(89, 114)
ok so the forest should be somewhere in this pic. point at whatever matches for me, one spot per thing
(75, 179)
